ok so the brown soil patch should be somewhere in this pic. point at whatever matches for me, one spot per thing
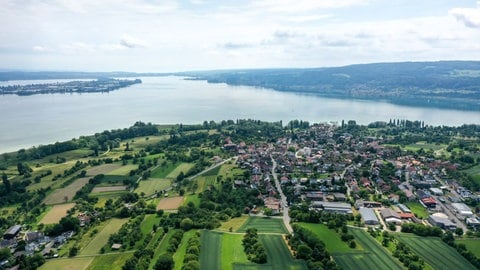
(170, 203)
(56, 213)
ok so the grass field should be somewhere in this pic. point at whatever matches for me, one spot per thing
(329, 237)
(425, 146)
(234, 223)
(472, 245)
(103, 169)
(232, 251)
(102, 237)
(183, 167)
(264, 225)
(211, 253)
(109, 261)
(205, 181)
(417, 209)
(474, 172)
(212, 172)
(435, 252)
(229, 170)
(68, 192)
(152, 185)
(170, 203)
(103, 197)
(109, 189)
(374, 257)
(182, 250)
(114, 180)
(278, 255)
(161, 247)
(67, 264)
(56, 213)
(124, 170)
(192, 198)
(163, 171)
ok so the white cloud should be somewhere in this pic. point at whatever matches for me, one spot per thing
(293, 6)
(470, 17)
(39, 48)
(131, 42)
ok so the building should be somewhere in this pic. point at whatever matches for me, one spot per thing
(473, 221)
(336, 207)
(369, 204)
(462, 209)
(390, 216)
(404, 208)
(33, 236)
(441, 220)
(436, 191)
(12, 232)
(429, 202)
(368, 216)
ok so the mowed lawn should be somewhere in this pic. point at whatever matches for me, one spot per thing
(152, 185)
(56, 213)
(67, 264)
(473, 245)
(374, 257)
(264, 225)
(183, 167)
(417, 209)
(109, 261)
(329, 237)
(66, 194)
(435, 252)
(102, 236)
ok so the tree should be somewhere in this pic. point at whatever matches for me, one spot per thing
(164, 262)
(4, 253)
(304, 252)
(6, 182)
(352, 244)
(459, 231)
(186, 224)
(72, 252)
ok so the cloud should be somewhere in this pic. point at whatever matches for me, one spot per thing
(234, 46)
(39, 48)
(131, 42)
(470, 17)
(292, 6)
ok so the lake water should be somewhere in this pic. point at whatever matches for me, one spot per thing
(26, 121)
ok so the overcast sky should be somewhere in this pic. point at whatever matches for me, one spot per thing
(168, 35)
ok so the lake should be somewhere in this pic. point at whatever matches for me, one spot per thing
(27, 121)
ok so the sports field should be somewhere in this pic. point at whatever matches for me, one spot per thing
(66, 194)
(56, 213)
(67, 264)
(264, 225)
(374, 256)
(152, 185)
(109, 261)
(435, 252)
(329, 237)
(102, 237)
(170, 203)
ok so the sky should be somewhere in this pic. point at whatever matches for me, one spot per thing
(185, 35)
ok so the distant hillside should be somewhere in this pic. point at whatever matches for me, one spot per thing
(47, 75)
(444, 84)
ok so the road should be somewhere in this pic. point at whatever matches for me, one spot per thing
(283, 198)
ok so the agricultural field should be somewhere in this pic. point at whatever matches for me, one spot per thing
(229, 170)
(67, 264)
(182, 249)
(109, 261)
(426, 146)
(205, 181)
(417, 209)
(163, 171)
(183, 167)
(278, 254)
(56, 213)
(435, 252)
(114, 180)
(108, 189)
(101, 238)
(232, 251)
(152, 185)
(103, 197)
(374, 256)
(329, 237)
(233, 223)
(264, 225)
(103, 169)
(142, 142)
(161, 247)
(66, 194)
(170, 203)
(124, 170)
(473, 245)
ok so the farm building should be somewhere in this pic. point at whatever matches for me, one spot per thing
(404, 208)
(462, 209)
(369, 204)
(12, 232)
(368, 216)
(390, 216)
(336, 207)
(441, 220)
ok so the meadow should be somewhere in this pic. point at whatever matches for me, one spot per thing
(101, 238)
(109, 261)
(264, 225)
(183, 167)
(417, 209)
(67, 264)
(329, 237)
(473, 245)
(56, 213)
(435, 252)
(66, 194)
(152, 186)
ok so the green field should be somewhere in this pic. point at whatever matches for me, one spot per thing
(67, 264)
(474, 172)
(183, 167)
(233, 223)
(435, 252)
(329, 237)
(182, 250)
(374, 257)
(162, 247)
(163, 171)
(124, 170)
(473, 245)
(109, 261)
(212, 172)
(264, 225)
(417, 209)
(104, 196)
(102, 236)
(211, 253)
(192, 198)
(426, 146)
(152, 185)
(205, 181)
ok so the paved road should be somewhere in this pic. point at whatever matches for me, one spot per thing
(283, 198)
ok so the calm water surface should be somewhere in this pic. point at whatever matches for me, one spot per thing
(26, 121)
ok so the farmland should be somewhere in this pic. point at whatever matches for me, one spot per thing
(67, 264)
(124, 170)
(152, 185)
(109, 261)
(374, 256)
(435, 252)
(63, 195)
(103, 169)
(183, 167)
(180, 254)
(56, 213)
(234, 224)
(102, 237)
(109, 189)
(170, 203)
(264, 225)
(329, 237)
(473, 245)
(164, 170)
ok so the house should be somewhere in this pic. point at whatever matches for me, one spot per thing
(473, 221)
(390, 216)
(314, 195)
(441, 220)
(368, 216)
(394, 198)
(273, 204)
(429, 202)
(12, 232)
(404, 208)
(436, 191)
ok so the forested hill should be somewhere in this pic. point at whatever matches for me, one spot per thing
(444, 84)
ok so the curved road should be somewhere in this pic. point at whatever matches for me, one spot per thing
(283, 198)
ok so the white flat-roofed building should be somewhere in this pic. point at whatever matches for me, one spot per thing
(368, 216)
(462, 209)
